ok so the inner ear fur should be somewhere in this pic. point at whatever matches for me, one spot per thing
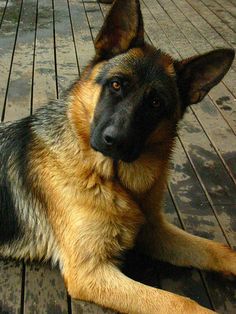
(122, 29)
(197, 75)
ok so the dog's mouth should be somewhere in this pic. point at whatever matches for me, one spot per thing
(118, 153)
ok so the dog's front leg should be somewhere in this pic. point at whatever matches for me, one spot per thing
(108, 287)
(166, 242)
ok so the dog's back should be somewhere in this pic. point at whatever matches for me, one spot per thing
(22, 217)
(12, 141)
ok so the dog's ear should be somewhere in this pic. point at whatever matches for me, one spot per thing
(122, 29)
(197, 75)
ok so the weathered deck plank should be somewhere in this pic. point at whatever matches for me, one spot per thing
(209, 33)
(82, 34)
(66, 61)
(8, 36)
(45, 292)
(222, 14)
(221, 28)
(18, 100)
(225, 102)
(228, 6)
(10, 286)
(44, 79)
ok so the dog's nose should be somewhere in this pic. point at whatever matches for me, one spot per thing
(110, 136)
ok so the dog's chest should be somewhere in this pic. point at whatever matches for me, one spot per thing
(140, 176)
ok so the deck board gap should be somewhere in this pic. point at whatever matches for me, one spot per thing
(34, 54)
(55, 51)
(11, 62)
(23, 290)
(3, 13)
(73, 36)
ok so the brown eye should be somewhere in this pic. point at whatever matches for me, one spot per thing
(155, 102)
(116, 85)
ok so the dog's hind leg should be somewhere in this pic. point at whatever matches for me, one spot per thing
(107, 286)
(166, 242)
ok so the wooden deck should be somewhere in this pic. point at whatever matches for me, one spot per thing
(44, 44)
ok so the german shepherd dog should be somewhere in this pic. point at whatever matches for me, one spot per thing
(82, 180)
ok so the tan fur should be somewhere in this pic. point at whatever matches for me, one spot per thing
(109, 287)
(167, 62)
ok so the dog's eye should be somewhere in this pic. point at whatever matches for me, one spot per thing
(155, 102)
(116, 86)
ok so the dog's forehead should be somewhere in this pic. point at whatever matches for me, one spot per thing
(145, 64)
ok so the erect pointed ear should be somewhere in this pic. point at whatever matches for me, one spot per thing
(122, 29)
(197, 75)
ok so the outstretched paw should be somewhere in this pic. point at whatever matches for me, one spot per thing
(228, 262)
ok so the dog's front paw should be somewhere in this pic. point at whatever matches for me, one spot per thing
(227, 263)
(195, 308)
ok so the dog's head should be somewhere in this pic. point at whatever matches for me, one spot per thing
(143, 92)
